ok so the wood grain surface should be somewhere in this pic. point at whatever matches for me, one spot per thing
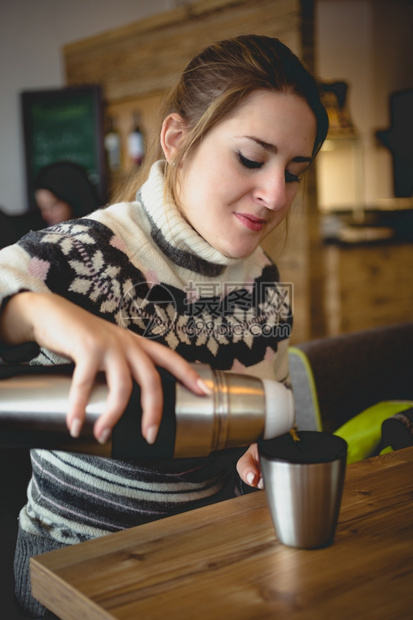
(145, 57)
(224, 561)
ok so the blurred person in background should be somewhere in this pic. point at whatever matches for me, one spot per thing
(62, 191)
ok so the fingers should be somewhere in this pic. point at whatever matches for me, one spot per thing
(119, 382)
(94, 345)
(124, 357)
(149, 381)
(83, 382)
(151, 388)
(176, 365)
(80, 389)
(249, 469)
(129, 361)
(120, 387)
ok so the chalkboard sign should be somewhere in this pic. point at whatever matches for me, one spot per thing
(64, 125)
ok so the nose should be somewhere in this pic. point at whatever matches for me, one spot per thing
(271, 190)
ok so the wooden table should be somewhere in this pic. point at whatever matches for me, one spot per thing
(224, 561)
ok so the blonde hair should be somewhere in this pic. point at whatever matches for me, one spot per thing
(215, 82)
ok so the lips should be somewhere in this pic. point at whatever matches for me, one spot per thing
(251, 221)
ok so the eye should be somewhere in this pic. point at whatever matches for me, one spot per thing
(291, 178)
(248, 163)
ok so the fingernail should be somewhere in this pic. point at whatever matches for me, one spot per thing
(104, 435)
(250, 478)
(260, 484)
(151, 434)
(75, 428)
(204, 387)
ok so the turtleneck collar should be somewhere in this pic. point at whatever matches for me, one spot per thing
(173, 234)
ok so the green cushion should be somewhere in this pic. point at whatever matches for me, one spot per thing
(363, 432)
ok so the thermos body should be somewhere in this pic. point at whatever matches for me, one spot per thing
(239, 410)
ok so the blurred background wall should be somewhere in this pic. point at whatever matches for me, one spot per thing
(32, 33)
(342, 281)
(368, 43)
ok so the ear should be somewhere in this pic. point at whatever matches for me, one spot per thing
(172, 133)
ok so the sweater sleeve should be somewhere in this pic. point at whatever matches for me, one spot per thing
(64, 260)
(20, 272)
(77, 260)
(16, 277)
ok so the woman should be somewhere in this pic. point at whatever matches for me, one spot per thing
(179, 264)
(63, 191)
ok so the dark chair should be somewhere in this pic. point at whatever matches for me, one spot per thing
(353, 384)
(13, 227)
(15, 471)
(341, 376)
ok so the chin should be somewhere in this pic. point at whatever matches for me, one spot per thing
(239, 253)
(235, 249)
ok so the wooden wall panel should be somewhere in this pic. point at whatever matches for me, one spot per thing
(145, 57)
(123, 113)
(368, 286)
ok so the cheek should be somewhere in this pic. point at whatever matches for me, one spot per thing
(291, 193)
(227, 186)
(211, 184)
(65, 210)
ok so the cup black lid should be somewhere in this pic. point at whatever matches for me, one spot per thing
(312, 447)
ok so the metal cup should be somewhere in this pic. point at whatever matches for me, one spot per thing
(303, 482)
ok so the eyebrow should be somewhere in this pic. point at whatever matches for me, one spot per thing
(273, 149)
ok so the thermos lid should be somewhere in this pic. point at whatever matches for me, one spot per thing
(279, 405)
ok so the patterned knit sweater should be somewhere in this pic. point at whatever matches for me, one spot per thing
(142, 266)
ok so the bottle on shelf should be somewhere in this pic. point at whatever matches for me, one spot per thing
(136, 142)
(113, 146)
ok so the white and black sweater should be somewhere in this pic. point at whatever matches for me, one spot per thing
(142, 266)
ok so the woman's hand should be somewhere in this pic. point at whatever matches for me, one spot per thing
(94, 345)
(249, 469)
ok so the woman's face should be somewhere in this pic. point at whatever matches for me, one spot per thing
(52, 209)
(240, 182)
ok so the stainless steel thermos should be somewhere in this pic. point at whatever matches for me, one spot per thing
(239, 410)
